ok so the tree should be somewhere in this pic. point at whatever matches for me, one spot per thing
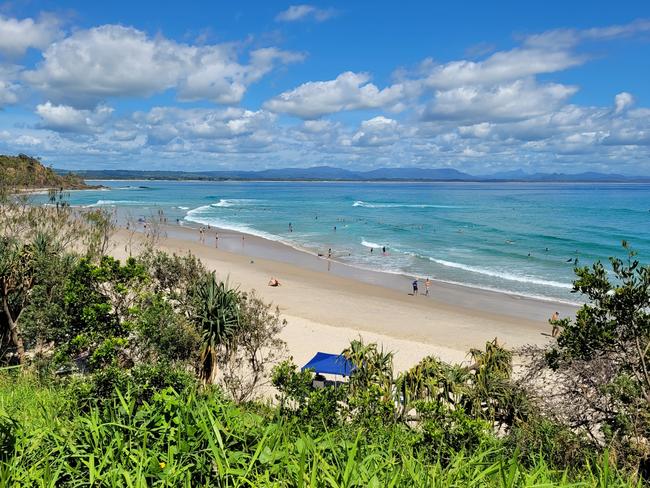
(217, 315)
(252, 349)
(15, 283)
(599, 379)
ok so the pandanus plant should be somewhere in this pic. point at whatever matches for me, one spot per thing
(217, 316)
(18, 274)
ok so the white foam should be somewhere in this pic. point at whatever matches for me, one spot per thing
(499, 274)
(369, 244)
(112, 203)
(184, 208)
(198, 215)
(361, 203)
(233, 202)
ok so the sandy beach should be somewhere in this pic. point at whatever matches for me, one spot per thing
(327, 303)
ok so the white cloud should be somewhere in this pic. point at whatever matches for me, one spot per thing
(114, 61)
(521, 99)
(303, 12)
(9, 89)
(378, 131)
(622, 101)
(64, 118)
(16, 36)
(219, 130)
(349, 91)
(500, 67)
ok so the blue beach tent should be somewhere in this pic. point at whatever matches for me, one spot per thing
(326, 363)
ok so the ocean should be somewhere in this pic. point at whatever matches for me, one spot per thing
(521, 238)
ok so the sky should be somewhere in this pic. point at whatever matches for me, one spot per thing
(482, 87)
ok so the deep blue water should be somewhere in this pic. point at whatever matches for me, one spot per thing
(506, 236)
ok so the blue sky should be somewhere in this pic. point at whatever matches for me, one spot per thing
(543, 86)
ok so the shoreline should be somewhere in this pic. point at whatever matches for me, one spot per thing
(191, 224)
(326, 308)
(290, 253)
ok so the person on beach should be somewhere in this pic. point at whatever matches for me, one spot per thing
(216, 240)
(427, 285)
(274, 282)
(415, 287)
(329, 253)
(554, 322)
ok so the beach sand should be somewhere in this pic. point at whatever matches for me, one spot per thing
(327, 303)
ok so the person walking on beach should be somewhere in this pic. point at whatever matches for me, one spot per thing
(329, 253)
(216, 240)
(415, 287)
(427, 285)
(554, 322)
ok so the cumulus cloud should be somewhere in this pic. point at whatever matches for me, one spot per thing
(622, 101)
(9, 89)
(349, 91)
(378, 131)
(115, 61)
(16, 35)
(8, 93)
(304, 12)
(521, 99)
(213, 130)
(64, 118)
(499, 67)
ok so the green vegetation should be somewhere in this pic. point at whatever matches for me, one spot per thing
(24, 172)
(151, 372)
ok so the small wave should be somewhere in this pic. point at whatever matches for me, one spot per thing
(233, 202)
(369, 244)
(184, 208)
(198, 216)
(498, 274)
(361, 203)
(112, 203)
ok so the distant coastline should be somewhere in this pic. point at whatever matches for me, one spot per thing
(325, 173)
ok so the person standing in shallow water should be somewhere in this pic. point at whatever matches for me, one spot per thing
(427, 285)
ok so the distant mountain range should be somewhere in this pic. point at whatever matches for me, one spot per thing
(339, 174)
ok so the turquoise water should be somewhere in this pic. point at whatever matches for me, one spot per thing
(506, 236)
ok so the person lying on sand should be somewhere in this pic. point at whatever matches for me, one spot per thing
(274, 282)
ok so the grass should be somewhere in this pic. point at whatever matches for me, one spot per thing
(203, 440)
